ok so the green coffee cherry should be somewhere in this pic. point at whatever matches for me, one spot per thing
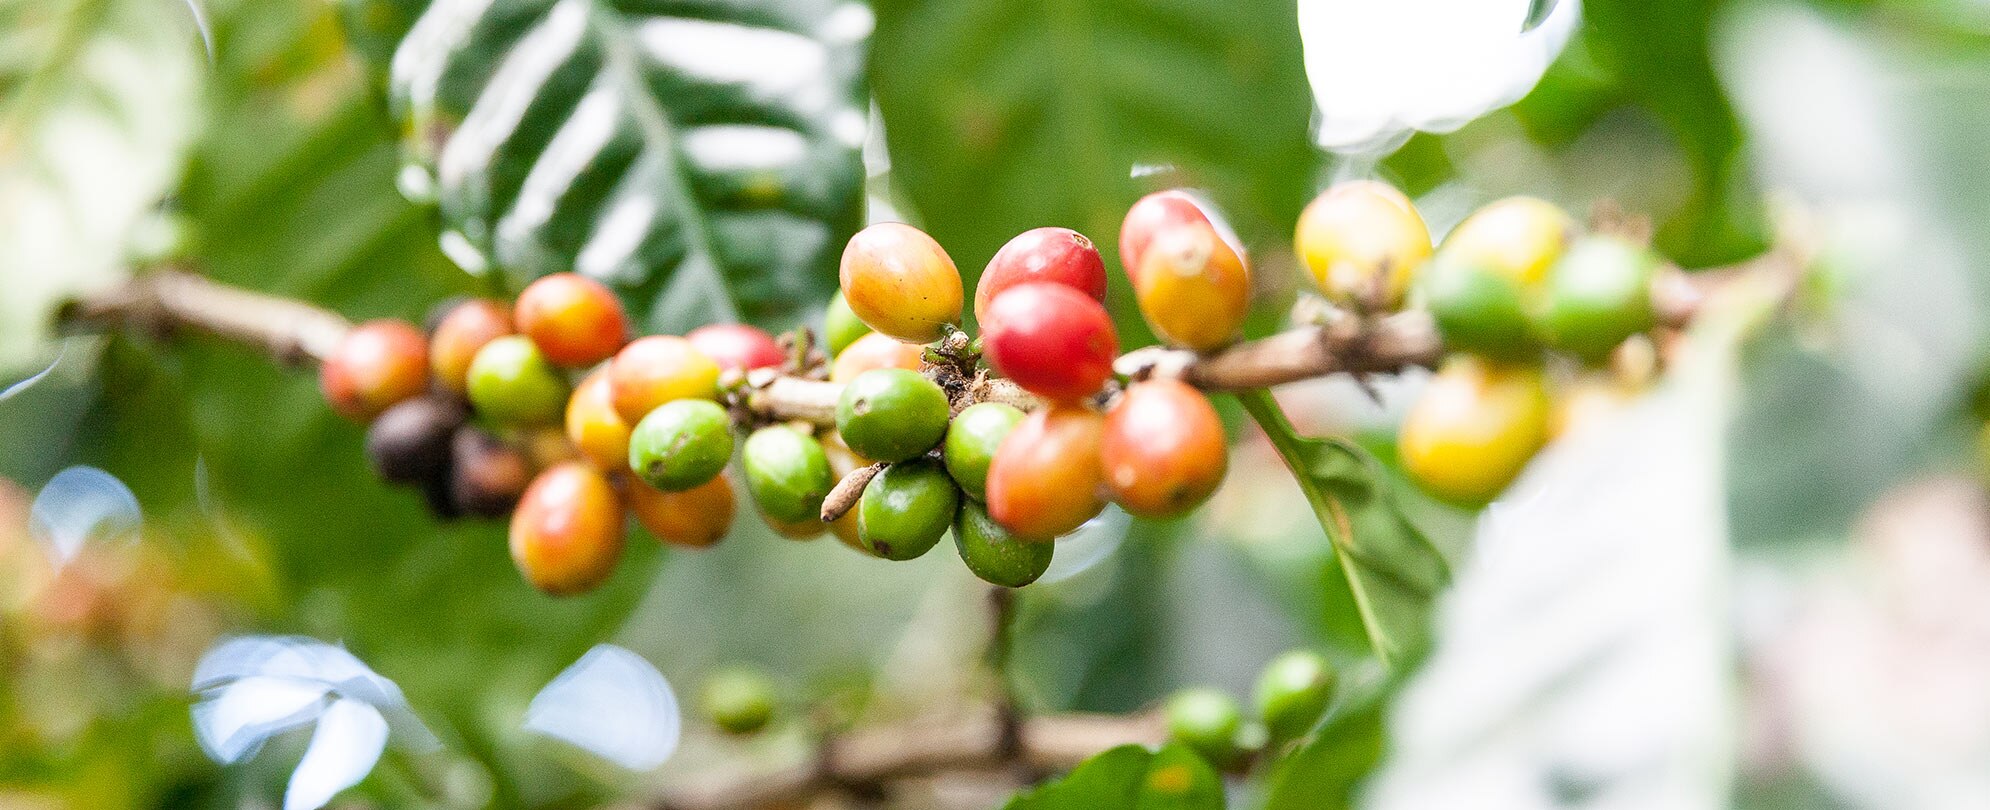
(737, 699)
(1293, 692)
(1477, 309)
(906, 509)
(995, 555)
(840, 326)
(971, 443)
(1598, 294)
(787, 473)
(1206, 720)
(681, 445)
(892, 414)
(512, 383)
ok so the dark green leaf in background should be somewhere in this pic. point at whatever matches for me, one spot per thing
(700, 156)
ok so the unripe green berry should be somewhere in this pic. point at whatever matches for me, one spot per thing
(512, 383)
(972, 440)
(906, 509)
(737, 699)
(1598, 294)
(995, 555)
(840, 326)
(892, 414)
(681, 444)
(1206, 720)
(788, 473)
(1293, 692)
(1477, 309)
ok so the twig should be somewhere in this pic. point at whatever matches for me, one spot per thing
(166, 301)
(844, 495)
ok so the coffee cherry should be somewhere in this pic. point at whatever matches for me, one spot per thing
(737, 346)
(659, 369)
(377, 364)
(802, 530)
(1478, 309)
(1474, 427)
(1050, 339)
(1054, 255)
(1518, 237)
(906, 509)
(1293, 692)
(486, 476)
(593, 425)
(575, 320)
(567, 532)
(995, 555)
(547, 445)
(788, 475)
(409, 443)
(1207, 721)
(698, 517)
(1362, 241)
(972, 440)
(1163, 449)
(512, 383)
(1193, 286)
(873, 351)
(900, 282)
(737, 699)
(1155, 213)
(1045, 480)
(681, 444)
(840, 326)
(1597, 295)
(457, 336)
(891, 414)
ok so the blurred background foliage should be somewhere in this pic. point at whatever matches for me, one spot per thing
(280, 159)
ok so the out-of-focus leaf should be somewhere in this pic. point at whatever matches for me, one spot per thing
(701, 158)
(1659, 56)
(1393, 571)
(1537, 11)
(1131, 778)
(1583, 659)
(1323, 770)
(1004, 117)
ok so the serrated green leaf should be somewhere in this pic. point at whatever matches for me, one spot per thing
(1130, 778)
(701, 157)
(1008, 116)
(1392, 569)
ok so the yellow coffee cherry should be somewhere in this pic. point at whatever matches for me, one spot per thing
(1361, 239)
(1473, 429)
(1519, 237)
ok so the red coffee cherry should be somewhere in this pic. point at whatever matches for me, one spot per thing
(901, 282)
(659, 369)
(1056, 255)
(1050, 339)
(463, 330)
(567, 533)
(1045, 479)
(737, 346)
(378, 364)
(575, 320)
(1155, 213)
(1163, 448)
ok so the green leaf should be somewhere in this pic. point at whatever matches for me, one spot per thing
(1392, 569)
(1131, 778)
(701, 157)
(1008, 116)
(1324, 769)
(1537, 13)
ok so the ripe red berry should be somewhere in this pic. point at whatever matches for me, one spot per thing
(1155, 213)
(567, 533)
(378, 364)
(1050, 339)
(737, 346)
(463, 330)
(659, 369)
(1057, 255)
(575, 320)
(1163, 448)
(900, 282)
(1045, 479)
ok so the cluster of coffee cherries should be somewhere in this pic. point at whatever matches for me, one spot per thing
(1514, 285)
(1293, 692)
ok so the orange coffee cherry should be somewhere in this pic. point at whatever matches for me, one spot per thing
(594, 427)
(458, 336)
(659, 369)
(377, 364)
(1045, 479)
(1163, 448)
(1193, 287)
(900, 282)
(698, 517)
(566, 535)
(874, 351)
(576, 320)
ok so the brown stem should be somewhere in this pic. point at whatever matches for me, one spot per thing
(866, 760)
(168, 301)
